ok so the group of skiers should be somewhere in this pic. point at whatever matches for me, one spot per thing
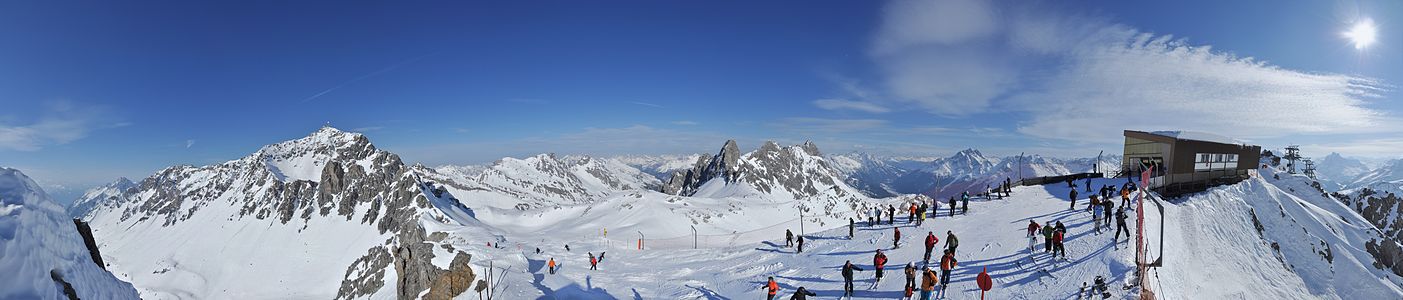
(789, 238)
(1052, 237)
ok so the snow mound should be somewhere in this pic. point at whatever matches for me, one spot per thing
(39, 245)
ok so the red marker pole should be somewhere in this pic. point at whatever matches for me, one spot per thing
(985, 283)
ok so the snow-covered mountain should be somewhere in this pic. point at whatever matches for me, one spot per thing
(42, 254)
(100, 195)
(543, 180)
(1335, 170)
(871, 174)
(660, 166)
(1388, 172)
(324, 216)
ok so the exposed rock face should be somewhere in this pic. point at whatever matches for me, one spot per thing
(546, 180)
(798, 170)
(328, 175)
(457, 279)
(87, 233)
(1383, 210)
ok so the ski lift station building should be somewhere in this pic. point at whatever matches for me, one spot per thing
(1187, 161)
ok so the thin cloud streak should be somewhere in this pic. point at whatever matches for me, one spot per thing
(367, 76)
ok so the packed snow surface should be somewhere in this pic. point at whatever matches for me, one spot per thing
(38, 243)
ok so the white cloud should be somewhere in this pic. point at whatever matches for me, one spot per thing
(646, 104)
(189, 143)
(685, 123)
(61, 123)
(368, 129)
(840, 104)
(1080, 78)
(828, 126)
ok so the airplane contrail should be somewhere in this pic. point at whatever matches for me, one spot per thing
(371, 74)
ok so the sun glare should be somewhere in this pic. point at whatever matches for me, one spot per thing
(1362, 34)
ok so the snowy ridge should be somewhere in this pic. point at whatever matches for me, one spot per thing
(326, 213)
(542, 181)
(1272, 239)
(41, 250)
(103, 195)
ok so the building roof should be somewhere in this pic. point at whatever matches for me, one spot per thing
(1171, 136)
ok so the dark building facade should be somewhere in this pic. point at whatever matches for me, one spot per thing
(1186, 161)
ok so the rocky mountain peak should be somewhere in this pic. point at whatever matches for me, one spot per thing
(810, 148)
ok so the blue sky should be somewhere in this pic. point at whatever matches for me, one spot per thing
(96, 90)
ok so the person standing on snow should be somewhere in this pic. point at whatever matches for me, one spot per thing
(911, 218)
(551, 265)
(1088, 185)
(802, 294)
(896, 238)
(1032, 237)
(772, 287)
(951, 242)
(964, 203)
(891, 214)
(848, 269)
(928, 281)
(1057, 247)
(930, 244)
(1108, 207)
(947, 263)
(850, 228)
(1095, 214)
(788, 238)
(879, 262)
(1073, 196)
(593, 262)
(910, 279)
(801, 245)
(1124, 198)
(952, 206)
(1047, 237)
(1120, 226)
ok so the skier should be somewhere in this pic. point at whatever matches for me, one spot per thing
(1095, 214)
(567, 248)
(1088, 185)
(772, 287)
(538, 250)
(1108, 208)
(891, 214)
(1032, 237)
(1057, 245)
(951, 242)
(879, 262)
(952, 206)
(848, 268)
(930, 244)
(910, 279)
(911, 218)
(788, 238)
(947, 263)
(928, 280)
(1124, 198)
(601, 257)
(1047, 237)
(1074, 200)
(850, 228)
(1092, 203)
(802, 294)
(801, 245)
(593, 263)
(1120, 226)
(551, 265)
(921, 214)
(965, 204)
(896, 238)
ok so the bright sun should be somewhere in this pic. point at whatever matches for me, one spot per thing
(1362, 34)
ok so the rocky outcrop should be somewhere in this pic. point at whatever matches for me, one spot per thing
(87, 233)
(1382, 209)
(457, 279)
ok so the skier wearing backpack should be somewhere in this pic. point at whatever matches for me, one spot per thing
(1057, 245)
(930, 243)
(951, 242)
(802, 294)
(964, 204)
(848, 269)
(928, 281)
